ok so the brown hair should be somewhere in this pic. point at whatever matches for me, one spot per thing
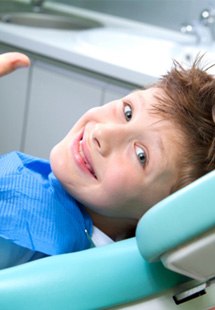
(189, 101)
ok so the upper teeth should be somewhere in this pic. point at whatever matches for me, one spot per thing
(81, 151)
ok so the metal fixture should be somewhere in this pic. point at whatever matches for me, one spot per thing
(193, 292)
(202, 28)
(207, 17)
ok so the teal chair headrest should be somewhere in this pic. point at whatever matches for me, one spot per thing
(177, 219)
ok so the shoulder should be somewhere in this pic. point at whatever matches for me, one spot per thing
(18, 161)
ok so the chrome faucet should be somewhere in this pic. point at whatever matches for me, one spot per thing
(207, 17)
(202, 28)
(207, 20)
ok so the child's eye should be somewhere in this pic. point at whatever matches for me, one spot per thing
(127, 112)
(141, 155)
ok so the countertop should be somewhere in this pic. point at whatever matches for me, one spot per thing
(128, 51)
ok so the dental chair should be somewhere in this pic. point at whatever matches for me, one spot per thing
(169, 264)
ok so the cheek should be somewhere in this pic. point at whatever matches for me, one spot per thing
(120, 185)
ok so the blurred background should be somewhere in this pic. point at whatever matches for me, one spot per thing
(164, 13)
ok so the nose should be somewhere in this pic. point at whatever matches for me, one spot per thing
(107, 137)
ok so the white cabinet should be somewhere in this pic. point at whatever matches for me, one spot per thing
(58, 97)
(13, 94)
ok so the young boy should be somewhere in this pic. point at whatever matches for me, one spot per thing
(114, 164)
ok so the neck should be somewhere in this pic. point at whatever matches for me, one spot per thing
(115, 228)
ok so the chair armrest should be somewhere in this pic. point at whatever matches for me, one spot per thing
(93, 279)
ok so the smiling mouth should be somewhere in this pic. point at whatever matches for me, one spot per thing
(84, 158)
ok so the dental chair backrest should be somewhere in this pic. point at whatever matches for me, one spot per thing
(128, 270)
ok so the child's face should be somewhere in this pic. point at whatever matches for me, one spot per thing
(119, 159)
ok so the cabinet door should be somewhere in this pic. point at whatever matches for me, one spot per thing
(13, 94)
(58, 98)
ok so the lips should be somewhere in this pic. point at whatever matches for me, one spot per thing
(82, 155)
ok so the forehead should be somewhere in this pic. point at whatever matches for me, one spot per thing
(144, 104)
(164, 128)
(162, 134)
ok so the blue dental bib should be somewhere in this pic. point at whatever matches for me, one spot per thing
(35, 211)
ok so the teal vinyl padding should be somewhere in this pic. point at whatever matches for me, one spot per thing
(98, 278)
(177, 219)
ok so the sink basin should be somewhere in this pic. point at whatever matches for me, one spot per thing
(23, 14)
(45, 20)
(142, 53)
(114, 42)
